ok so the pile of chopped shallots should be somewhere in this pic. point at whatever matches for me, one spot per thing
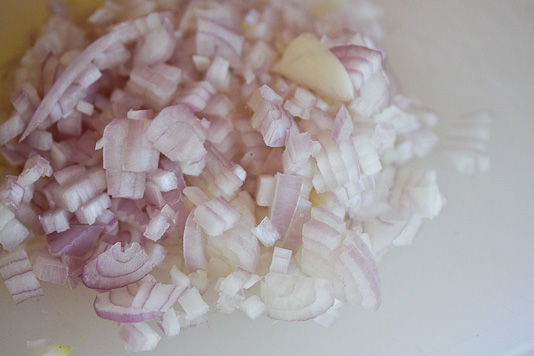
(169, 149)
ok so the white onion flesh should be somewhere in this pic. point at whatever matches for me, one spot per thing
(17, 273)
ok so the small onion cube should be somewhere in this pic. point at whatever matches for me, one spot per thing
(195, 195)
(156, 83)
(55, 221)
(159, 223)
(253, 307)
(285, 201)
(281, 260)
(193, 244)
(200, 280)
(17, 273)
(90, 211)
(49, 269)
(10, 129)
(34, 168)
(13, 232)
(179, 278)
(216, 216)
(122, 184)
(266, 232)
(265, 190)
(169, 323)
(155, 252)
(85, 108)
(270, 118)
(213, 38)
(193, 304)
(138, 337)
(164, 180)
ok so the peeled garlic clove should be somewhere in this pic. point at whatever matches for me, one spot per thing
(310, 64)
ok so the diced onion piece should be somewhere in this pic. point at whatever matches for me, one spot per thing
(194, 254)
(343, 126)
(193, 304)
(55, 221)
(324, 228)
(266, 232)
(169, 323)
(49, 269)
(17, 273)
(80, 188)
(155, 47)
(77, 67)
(177, 133)
(218, 74)
(390, 233)
(12, 231)
(165, 181)
(159, 223)
(216, 216)
(34, 168)
(293, 238)
(285, 201)
(156, 84)
(369, 158)
(179, 278)
(231, 288)
(281, 260)
(10, 129)
(141, 301)
(155, 252)
(253, 307)
(197, 95)
(292, 298)
(373, 96)
(90, 211)
(76, 241)
(270, 118)
(200, 280)
(360, 62)
(117, 267)
(138, 337)
(157, 296)
(214, 39)
(123, 184)
(266, 186)
(359, 273)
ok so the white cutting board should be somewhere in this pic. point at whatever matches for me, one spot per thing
(466, 287)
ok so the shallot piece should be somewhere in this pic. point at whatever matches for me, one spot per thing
(138, 337)
(17, 273)
(117, 267)
(249, 151)
(141, 301)
(292, 298)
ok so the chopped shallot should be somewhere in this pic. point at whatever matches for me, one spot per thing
(257, 151)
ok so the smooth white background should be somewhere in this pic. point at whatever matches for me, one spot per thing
(466, 287)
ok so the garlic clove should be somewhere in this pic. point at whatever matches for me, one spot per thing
(309, 63)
